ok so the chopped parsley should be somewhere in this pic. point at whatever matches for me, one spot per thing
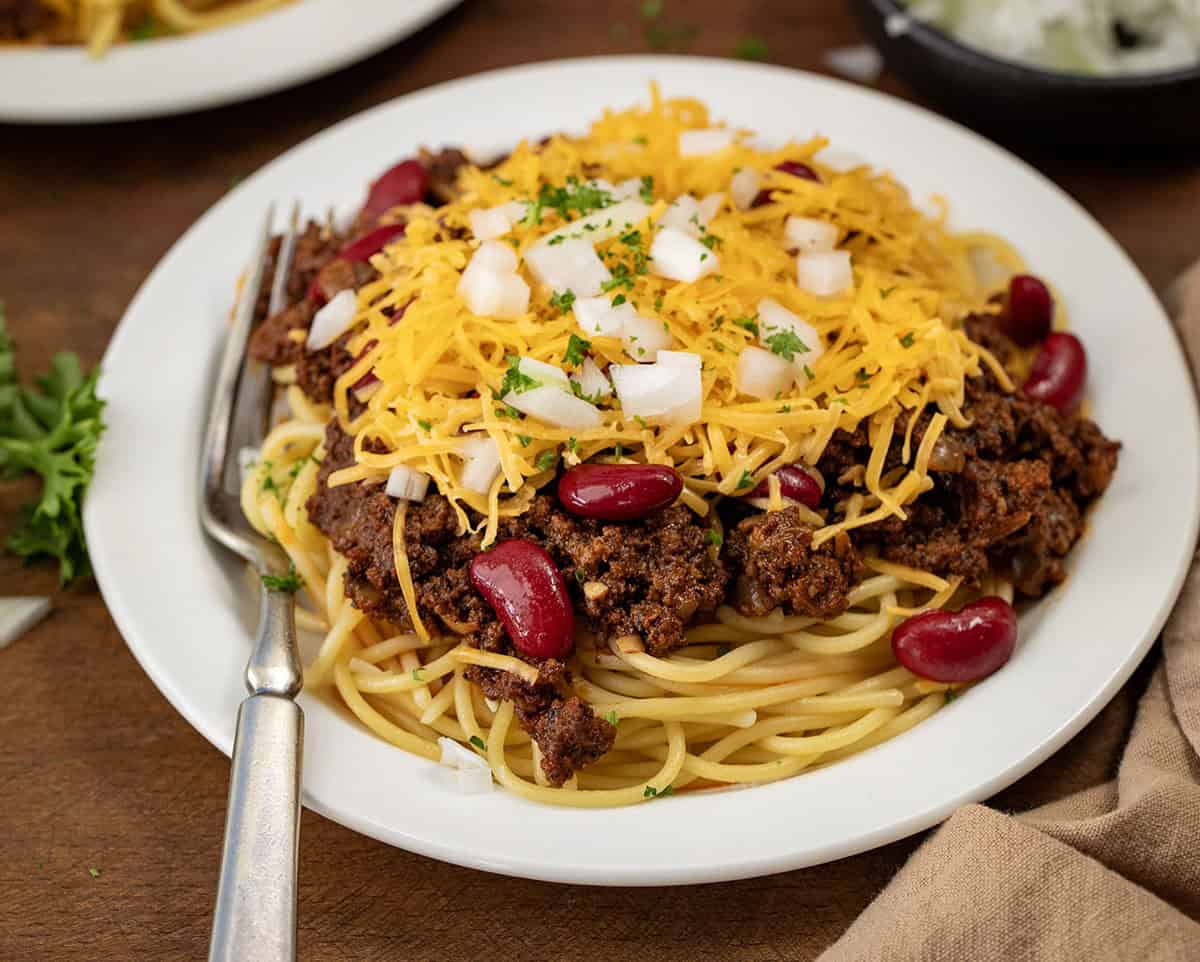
(745, 481)
(478, 742)
(884, 292)
(556, 240)
(651, 9)
(641, 140)
(621, 277)
(785, 409)
(572, 445)
(658, 303)
(580, 576)
(711, 241)
(908, 340)
(950, 695)
(94, 872)
(747, 324)
(713, 537)
(424, 425)
(647, 189)
(632, 238)
(786, 344)
(578, 392)
(515, 380)
(575, 197)
(506, 410)
(546, 460)
(652, 792)
(641, 421)
(618, 450)
(611, 717)
(502, 181)
(863, 377)
(723, 649)
(147, 29)
(416, 675)
(563, 301)
(839, 400)
(618, 300)
(751, 47)
(525, 440)
(808, 372)
(577, 349)
(290, 582)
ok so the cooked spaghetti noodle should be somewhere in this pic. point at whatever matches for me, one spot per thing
(737, 698)
(99, 24)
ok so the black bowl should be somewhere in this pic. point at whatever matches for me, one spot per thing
(1125, 114)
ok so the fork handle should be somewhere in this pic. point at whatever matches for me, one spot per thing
(255, 915)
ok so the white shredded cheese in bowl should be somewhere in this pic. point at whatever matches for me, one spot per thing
(1099, 37)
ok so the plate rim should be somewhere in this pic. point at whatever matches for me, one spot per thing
(143, 101)
(751, 867)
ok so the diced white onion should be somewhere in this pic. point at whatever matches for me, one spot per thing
(591, 380)
(644, 338)
(762, 374)
(482, 465)
(457, 756)
(494, 256)
(364, 667)
(824, 273)
(897, 24)
(543, 372)
(630, 189)
(688, 409)
(18, 615)
(710, 206)
(492, 222)
(596, 315)
(773, 317)
(572, 265)
(806, 234)
(555, 406)
(473, 781)
(604, 224)
(861, 63)
(744, 187)
(661, 392)
(676, 256)
(493, 293)
(694, 143)
(332, 320)
(407, 483)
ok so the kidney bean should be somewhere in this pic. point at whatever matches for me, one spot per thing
(527, 592)
(371, 242)
(403, 184)
(1029, 310)
(618, 492)
(793, 167)
(1059, 373)
(955, 646)
(795, 483)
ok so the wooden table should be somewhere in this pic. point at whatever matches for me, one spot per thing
(97, 771)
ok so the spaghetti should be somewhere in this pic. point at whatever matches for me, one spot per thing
(99, 24)
(740, 694)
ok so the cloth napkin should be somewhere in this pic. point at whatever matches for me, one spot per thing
(1111, 872)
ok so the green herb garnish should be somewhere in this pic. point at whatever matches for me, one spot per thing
(786, 344)
(478, 742)
(751, 47)
(747, 323)
(563, 301)
(713, 537)
(611, 717)
(52, 430)
(424, 425)
(515, 380)
(546, 460)
(290, 582)
(908, 340)
(577, 349)
(745, 481)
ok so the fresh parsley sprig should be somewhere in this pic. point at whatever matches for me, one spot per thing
(52, 430)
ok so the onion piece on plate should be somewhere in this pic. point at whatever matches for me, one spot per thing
(678, 257)
(572, 265)
(407, 483)
(492, 222)
(644, 338)
(482, 465)
(668, 391)
(595, 228)
(762, 374)
(805, 234)
(696, 143)
(596, 315)
(332, 320)
(554, 405)
(591, 380)
(744, 187)
(824, 273)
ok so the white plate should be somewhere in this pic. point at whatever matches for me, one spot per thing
(178, 607)
(178, 74)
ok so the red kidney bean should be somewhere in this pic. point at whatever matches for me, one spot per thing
(793, 167)
(954, 646)
(528, 594)
(794, 483)
(1029, 310)
(371, 242)
(1059, 373)
(403, 184)
(618, 492)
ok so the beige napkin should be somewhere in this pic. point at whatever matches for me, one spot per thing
(1109, 873)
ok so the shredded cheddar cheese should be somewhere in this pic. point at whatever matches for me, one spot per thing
(892, 346)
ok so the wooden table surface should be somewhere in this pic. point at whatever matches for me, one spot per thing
(98, 771)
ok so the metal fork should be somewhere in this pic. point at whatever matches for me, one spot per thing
(255, 915)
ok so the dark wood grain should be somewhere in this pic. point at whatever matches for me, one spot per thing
(98, 771)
